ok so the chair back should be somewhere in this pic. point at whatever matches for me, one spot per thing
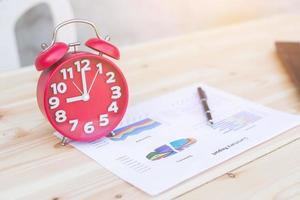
(12, 10)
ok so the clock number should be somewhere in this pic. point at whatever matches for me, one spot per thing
(54, 102)
(85, 63)
(60, 116)
(89, 128)
(66, 72)
(116, 92)
(113, 107)
(111, 77)
(74, 123)
(77, 64)
(100, 68)
(59, 88)
(103, 120)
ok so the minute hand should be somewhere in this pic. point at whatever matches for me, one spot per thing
(83, 79)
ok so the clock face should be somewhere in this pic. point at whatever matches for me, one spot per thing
(86, 97)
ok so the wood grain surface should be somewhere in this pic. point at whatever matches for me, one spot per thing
(238, 59)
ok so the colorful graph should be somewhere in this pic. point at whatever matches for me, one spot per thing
(166, 150)
(236, 121)
(161, 152)
(133, 129)
(182, 144)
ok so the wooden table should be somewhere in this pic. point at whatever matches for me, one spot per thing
(239, 59)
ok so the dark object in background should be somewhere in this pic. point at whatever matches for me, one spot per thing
(289, 54)
(32, 29)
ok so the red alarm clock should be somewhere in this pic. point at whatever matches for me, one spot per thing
(84, 95)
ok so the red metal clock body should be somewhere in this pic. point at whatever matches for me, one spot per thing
(83, 95)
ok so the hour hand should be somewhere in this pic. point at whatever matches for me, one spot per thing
(74, 99)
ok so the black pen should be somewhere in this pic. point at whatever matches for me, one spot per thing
(203, 99)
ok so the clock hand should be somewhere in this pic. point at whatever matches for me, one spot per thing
(83, 79)
(83, 97)
(74, 99)
(77, 87)
(96, 74)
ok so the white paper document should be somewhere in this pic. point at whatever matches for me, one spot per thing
(167, 140)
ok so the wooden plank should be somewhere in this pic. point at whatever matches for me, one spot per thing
(273, 176)
(238, 59)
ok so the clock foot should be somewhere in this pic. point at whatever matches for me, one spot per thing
(64, 141)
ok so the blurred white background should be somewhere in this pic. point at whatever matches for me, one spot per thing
(128, 22)
(134, 21)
